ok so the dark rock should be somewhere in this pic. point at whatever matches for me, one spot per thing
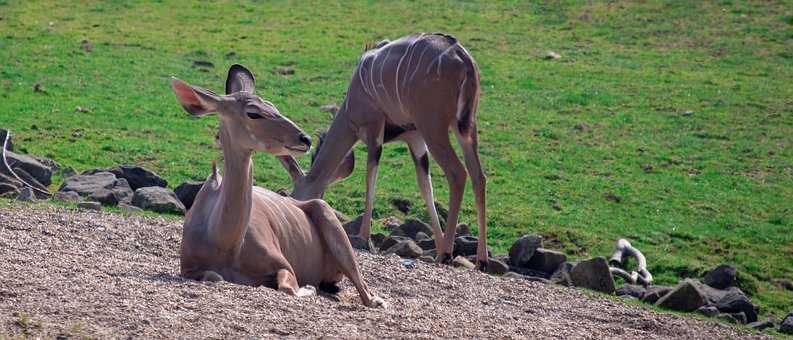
(523, 249)
(129, 209)
(760, 325)
(529, 272)
(462, 230)
(411, 227)
(727, 318)
(377, 239)
(709, 311)
(401, 204)
(787, 324)
(157, 199)
(685, 297)
(736, 302)
(465, 245)
(431, 253)
(53, 165)
(390, 241)
(496, 267)
(420, 236)
(636, 291)
(353, 227)
(562, 275)
(26, 195)
(68, 172)
(359, 243)
(546, 260)
(461, 261)
(655, 293)
(138, 177)
(25, 176)
(121, 192)
(340, 216)
(426, 244)
(88, 205)
(721, 277)
(187, 191)
(88, 183)
(428, 259)
(40, 172)
(593, 274)
(406, 248)
(740, 317)
(67, 196)
(443, 213)
(10, 144)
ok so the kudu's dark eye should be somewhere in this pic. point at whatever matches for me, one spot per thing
(254, 115)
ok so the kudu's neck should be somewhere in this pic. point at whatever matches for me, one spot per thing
(339, 139)
(232, 214)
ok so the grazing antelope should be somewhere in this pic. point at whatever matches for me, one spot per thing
(250, 235)
(414, 89)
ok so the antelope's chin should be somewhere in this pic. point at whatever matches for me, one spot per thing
(297, 150)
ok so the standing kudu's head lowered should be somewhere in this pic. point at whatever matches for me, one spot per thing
(248, 121)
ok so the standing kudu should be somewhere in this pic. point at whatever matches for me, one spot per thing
(250, 235)
(414, 89)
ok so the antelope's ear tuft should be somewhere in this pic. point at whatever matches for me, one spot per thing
(195, 100)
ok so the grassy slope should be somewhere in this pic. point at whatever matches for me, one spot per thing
(721, 184)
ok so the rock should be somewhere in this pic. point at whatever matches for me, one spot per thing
(353, 227)
(562, 275)
(138, 177)
(462, 230)
(88, 205)
(121, 192)
(426, 244)
(655, 293)
(727, 317)
(420, 236)
(514, 275)
(496, 267)
(443, 213)
(187, 191)
(593, 274)
(330, 108)
(392, 240)
(411, 227)
(8, 190)
(9, 144)
(129, 209)
(406, 248)
(523, 249)
(636, 291)
(740, 317)
(460, 261)
(68, 196)
(377, 239)
(709, 311)
(428, 259)
(53, 165)
(721, 277)
(26, 195)
(391, 223)
(157, 199)
(359, 243)
(787, 324)
(40, 172)
(339, 215)
(685, 297)
(25, 176)
(760, 325)
(431, 253)
(88, 183)
(737, 302)
(465, 245)
(68, 172)
(546, 260)
(551, 55)
(529, 272)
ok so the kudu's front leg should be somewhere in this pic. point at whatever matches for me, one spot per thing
(374, 145)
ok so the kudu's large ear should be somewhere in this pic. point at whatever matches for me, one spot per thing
(240, 79)
(195, 100)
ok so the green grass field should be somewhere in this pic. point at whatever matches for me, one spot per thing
(685, 111)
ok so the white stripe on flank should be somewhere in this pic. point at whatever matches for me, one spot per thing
(411, 58)
(396, 76)
(360, 76)
(382, 64)
(371, 75)
(439, 59)
(418, 62)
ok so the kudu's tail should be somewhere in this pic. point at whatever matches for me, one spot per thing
(469, 93)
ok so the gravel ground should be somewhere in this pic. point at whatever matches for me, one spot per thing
(83, 273)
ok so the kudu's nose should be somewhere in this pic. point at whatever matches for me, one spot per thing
(306, 139)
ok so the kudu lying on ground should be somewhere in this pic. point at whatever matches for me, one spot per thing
(414, 89)
(250, 235)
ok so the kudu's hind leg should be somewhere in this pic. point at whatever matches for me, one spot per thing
(338, 245)
(287, 283)
(418, 150)
(374, 146)
(469, 143)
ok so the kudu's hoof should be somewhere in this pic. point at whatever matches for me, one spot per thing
(377, 302)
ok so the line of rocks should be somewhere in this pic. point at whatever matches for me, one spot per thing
(715, 296)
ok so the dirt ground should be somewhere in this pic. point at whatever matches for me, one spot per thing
(69, 272)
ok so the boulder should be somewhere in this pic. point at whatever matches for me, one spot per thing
(120, 192)
(129, 209)
(760, 325)
(138, 177)
(426, 244)
(68, 172)
(787, 324)
(87, 184)
(593, 274)
(406, 248)
(29, 179)
(411, 228)
(462, 230)
(727, 318)
(546, 260)
(636, 291)
(529, 272)
(401, 204)
(496, 267)
(562, 275)
(157, 199)
(685, 297)
(737, 302)
(26, 195)
(359, 243)
(740, 317)
(655, 293)
(66, 196)
(460, 261)
(377, 239)
(422, 236)
(465, 245)
(53, 165)
(390, 241)
(523, 249)
(41, 172)
(88, 205)
(721, 277)
(187, 191)
(353, 227)
(709, 311)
